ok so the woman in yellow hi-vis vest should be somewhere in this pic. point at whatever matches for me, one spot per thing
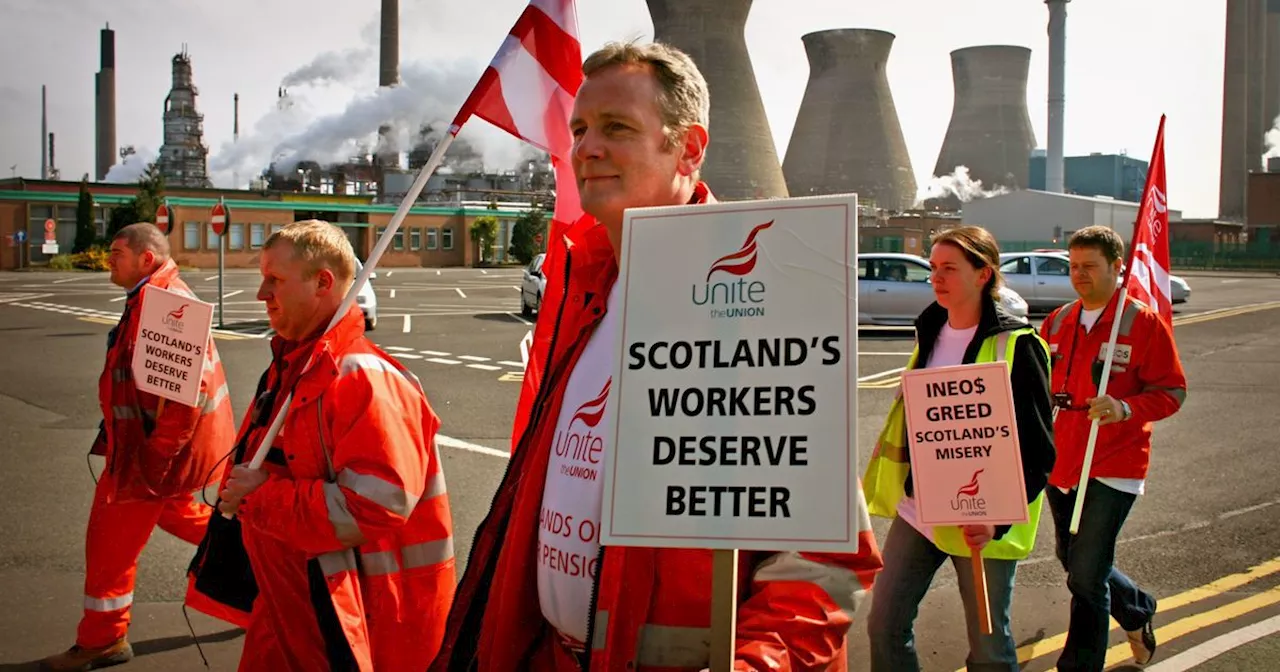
(966, 325)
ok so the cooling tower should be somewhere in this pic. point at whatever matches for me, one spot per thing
(990, 130)
(742, 161)
(847, 137)
(105, 105)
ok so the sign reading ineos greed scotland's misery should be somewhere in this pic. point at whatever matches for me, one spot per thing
(735, 381)
(173, 334)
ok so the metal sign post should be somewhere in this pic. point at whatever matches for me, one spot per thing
(220, 218)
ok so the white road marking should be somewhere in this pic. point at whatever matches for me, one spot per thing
(437, 353)
(439, 360)
(459, 291)
(450, 442)
(59, 282)
(473, 358)
(518, 365)
(397, 348)
(521, 320)
(516, 288)
(393, 293)
(120, 298)
(231, 294)
(1230, 282)
(212, 277)
(405, 355)
(406, 324)
(1217, 646)
(882, 374)
(484, 367)
(437, 272)
(389, 273)
(484, 272)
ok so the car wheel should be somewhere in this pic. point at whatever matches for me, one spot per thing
(369, 324)
(525, 309)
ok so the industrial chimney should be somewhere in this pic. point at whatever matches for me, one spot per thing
(847, 137)
(387, 154)
(1249, 105)
(1054, 173)
(742, 161)
(990, 130)
(44, 132)
(106, 104)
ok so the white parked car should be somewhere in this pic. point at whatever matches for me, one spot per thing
(1043, 278)
(532, 286)
(894, 288)
(367, 300)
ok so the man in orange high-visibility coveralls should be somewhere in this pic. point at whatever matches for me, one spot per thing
(160, 454)
(347, 524)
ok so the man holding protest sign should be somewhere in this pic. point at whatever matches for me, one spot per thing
(160, 454)
(540, 593)
(347, 525)
(1146, 384)
(966, 325)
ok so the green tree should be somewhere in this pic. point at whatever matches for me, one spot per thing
(85, 232)
(143, 206)
(484, 231)
(528, 226)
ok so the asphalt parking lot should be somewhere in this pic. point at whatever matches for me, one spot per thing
(1203, 538)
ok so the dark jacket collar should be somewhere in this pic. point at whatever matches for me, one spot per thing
(995, 319)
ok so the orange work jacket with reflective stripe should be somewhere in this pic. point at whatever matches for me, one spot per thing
(155, 447)
(352, 530)
(652, 607)
(1146, 372)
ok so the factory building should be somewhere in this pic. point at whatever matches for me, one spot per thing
(1106, 175)
(1042, 219)
(183, 157)
(433, 236)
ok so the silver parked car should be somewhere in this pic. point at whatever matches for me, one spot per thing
(532, 286)
(1043, 278)
(894, 288)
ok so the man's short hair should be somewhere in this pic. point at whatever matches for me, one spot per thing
(144, 237)
(319, 245)
(1103, 238)
(683, 98)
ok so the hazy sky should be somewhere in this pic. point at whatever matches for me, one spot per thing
(1128, 61)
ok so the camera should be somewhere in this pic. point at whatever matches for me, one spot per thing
(1062, 400)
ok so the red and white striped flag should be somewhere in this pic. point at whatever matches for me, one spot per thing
(528, 91)
(1147, 275)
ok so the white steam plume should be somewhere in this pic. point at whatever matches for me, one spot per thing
(131, 169)
(334, 67)
(1272, 140)
(957, 184)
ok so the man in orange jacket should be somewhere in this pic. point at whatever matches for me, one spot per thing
(160, 455)
(1146, 384)
(347, 524)
(540, 593)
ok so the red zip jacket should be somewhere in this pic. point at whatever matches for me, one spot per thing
(652, 607)
(1145, 372)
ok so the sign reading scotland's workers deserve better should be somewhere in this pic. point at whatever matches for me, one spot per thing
(173, 333)
(735, 381)
(963, 438)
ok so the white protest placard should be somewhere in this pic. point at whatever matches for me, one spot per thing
(966, 464)
(173, 333)
(735, 382)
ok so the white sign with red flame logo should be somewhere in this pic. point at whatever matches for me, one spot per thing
(735, 381)
(966, 466)
(173, 334)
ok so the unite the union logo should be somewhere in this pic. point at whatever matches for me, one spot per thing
(734, 298)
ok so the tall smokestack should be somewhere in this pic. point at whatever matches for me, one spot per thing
(53, 162)
(847, 137)
(389, 54)
(990, 130)
(1272, 105)
(106, 104)
(44, 132)
(1235, 112)
(1054, 170)
(742, 161)
(235, 123)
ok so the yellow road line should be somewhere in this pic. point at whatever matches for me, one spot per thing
(1165, 604)
(218, 335)
(1227, 312)
(1121, 652)
(100, 320)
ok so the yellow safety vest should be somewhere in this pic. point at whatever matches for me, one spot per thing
(886, 475)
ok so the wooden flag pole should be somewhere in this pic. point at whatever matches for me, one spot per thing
(980, 591)
(724, 608)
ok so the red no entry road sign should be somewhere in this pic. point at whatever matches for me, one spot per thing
(162, 218)
(219, 218)
(50, 227)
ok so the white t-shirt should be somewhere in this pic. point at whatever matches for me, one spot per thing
(1133, 486)
(948, 350)
(569, 523)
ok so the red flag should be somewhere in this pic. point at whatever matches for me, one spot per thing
(528, 91)
(1147, 276)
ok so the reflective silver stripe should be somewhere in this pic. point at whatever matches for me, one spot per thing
(1060, 318)
(673, 646)
(1002, 345)
(379, 563)
(427, 553)
(1179, 394)
(107, 603)
(337, 562)
(602, 629)
(841, 585)
(211, 405)
(378, 491)
(120, 375)
(344, 524)
(124, 412)
(1126, 320)
(436, 486)
(370, 362)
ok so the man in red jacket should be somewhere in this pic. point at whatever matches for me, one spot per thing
(160, 454)
(540, 593)
(1146, 384)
